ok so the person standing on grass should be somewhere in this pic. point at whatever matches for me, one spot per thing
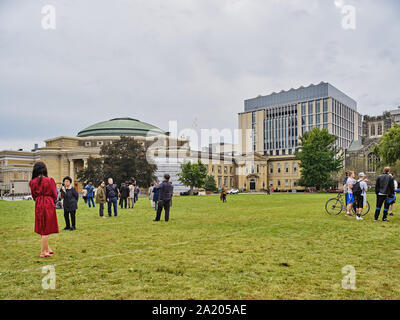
(360, 194)
(151, 195)
(350, 197)
(131, 198)
(90, 194)
(124, 195)
(345, 186)
(137, 191)
(156, 195)
(165, 199)
(71, 197)
(44, 192)
(223, 194)
(384, 189)
(112, 194)
(392, 200)
(84, 195)
(101, 198)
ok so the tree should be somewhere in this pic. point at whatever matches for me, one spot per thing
(93, 172)
(193, 175)
(123, 160)
(389, 146)
(210, 184)
(319, 158)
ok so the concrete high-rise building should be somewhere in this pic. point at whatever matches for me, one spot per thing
(277, 121)
(272, 125)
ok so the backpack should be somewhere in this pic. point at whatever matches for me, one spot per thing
(357, 191)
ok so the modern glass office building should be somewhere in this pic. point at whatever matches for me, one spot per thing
(278, 120)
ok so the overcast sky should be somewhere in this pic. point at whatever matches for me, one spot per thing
(193, 61)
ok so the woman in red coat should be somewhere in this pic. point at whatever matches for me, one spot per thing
(44, 192)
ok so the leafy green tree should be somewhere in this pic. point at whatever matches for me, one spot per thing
(389, 146)
(319, 158)
(123, 160)
(93, 172)
(193, 175)
(210, 184)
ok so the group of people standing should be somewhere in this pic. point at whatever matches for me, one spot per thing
(45, 193)
(356, 194)
(128, 195)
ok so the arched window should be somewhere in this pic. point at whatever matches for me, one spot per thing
(271, 168)
(372, 161)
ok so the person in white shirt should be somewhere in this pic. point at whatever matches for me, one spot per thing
(360, 194)
(350, 197)
(393, 200)
(151, 195)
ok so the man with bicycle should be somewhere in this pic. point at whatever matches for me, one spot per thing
(360, 195)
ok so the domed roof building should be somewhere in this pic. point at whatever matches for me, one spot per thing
(121, 127)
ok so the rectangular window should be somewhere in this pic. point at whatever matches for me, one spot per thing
(325, 105)
(317, 106)
(303, 109)
(310, 108)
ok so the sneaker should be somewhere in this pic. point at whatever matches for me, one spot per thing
(67, 228)
(385, 220)
(391, 214)
(72, 229)
(359, 218)
(349, 215)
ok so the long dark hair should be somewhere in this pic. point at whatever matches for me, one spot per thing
(39, 170)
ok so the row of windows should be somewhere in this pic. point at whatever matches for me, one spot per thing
(285, 184)
(282, 152)
(225, 181)
(98, 143)
(286, 168)
(219, 169)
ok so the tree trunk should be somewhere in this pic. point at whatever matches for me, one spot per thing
(191, 190)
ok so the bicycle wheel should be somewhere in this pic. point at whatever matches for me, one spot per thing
(365, 210)
(334, 207)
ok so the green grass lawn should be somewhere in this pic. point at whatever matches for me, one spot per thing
(253, 247)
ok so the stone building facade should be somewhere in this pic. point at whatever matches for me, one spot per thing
(360, 156)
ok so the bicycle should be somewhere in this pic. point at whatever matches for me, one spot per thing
(335, 206)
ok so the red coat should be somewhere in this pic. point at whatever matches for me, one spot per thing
(45, 194)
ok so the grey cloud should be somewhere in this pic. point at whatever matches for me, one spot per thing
(180, 60)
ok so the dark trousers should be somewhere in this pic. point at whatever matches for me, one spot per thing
(101, 210)
(90, 200)
(123, 201)
(66, 217)
(113, 201)
(166, 204)
(380, 200)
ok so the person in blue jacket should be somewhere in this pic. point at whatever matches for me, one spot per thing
(156, 194)
(90, 194)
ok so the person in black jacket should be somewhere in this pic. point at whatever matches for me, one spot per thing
(124, 194)
(70, 201)
(165, 198)
(112, 194)
(384, 190)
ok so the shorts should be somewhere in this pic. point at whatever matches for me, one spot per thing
(349, 198)
(358, 202)
(392, 200)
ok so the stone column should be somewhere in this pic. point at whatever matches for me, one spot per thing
(71, 170)
(85, 162)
